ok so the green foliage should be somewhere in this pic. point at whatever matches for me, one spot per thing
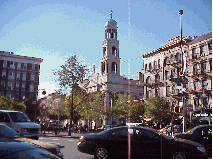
(10, 104)
(157, 110)
(124, 108)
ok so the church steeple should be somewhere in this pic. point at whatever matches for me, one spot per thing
(110, 62)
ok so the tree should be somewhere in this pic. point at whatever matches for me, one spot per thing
(10, 104)
(125, 108)
(69, 75)
(158, 111)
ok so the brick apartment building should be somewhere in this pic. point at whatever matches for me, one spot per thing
(19, 76)
(166, 63)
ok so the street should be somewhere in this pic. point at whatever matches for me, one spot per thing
(70, 150)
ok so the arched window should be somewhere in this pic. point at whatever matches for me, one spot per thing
(114, 51)
(114, 67)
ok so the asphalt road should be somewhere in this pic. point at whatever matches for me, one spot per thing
(70, 150)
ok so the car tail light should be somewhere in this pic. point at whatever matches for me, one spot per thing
(81, 139)
(174, 135)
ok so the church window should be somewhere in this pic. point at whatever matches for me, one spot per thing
(114, 51)
(114, 67)
(104, 51)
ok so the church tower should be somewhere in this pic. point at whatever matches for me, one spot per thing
(110, 62)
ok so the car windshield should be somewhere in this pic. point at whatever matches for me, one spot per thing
(6, 132)
(18, 117)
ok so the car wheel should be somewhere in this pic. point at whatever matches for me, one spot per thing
(179, 155)
(101, 153)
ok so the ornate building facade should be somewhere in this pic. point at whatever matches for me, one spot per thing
(164, 66)
(109, 78)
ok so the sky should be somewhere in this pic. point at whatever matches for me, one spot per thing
(54, 30)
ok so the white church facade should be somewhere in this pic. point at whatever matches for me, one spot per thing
(109, 78)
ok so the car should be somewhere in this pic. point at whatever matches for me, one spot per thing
(19, 122)
(107, 127)
(24, 150)
(143, 142)
(201, 134)
(8, 133)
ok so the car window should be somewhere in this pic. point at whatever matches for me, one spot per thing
(144, 134)
(6, 132)
(19, 117)
(4, 117)
(119, 133)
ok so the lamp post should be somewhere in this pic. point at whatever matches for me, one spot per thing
(183, 72)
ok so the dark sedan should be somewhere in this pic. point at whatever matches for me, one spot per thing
(8, 133)
(24, 150)
(143, 143)
(201, 134)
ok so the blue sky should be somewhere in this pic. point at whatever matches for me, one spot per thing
(55, 29)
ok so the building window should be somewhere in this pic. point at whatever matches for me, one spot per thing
(196, 85)
(157, 78)
(25, 66)
(203, 67)
(202, 52)
(194, 53)
(9, 95)
(167, 60)
(4, 74)
(12, 65)
(173, 58)
(158, 63)
(210, 46)
(5, 64)
(173, 89)
(167, 75)
(31, 87)
(23, 96)
(145, 67)
(23, 87)
(178, 57)
(2, 84)
(18, 74)
(210, 65)
(195, 69)
(11, 75)
(148, 80)
(33, 66)
(19, 66)
(32, 78)
(205, 102)
(155, 65)
(10, 85)
(17, 86)
(24, 76)
(204, 84)
(16, 97)
(150, 66)
(196, 103)
(167, 90)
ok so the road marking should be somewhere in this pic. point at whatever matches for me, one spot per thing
(70, 140)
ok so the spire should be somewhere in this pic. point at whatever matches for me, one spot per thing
(111, 13)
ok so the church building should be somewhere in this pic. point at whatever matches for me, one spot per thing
(109, 78)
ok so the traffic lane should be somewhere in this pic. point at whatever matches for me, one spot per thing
(70, 150)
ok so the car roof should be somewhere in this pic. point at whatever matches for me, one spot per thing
(14, 146)
(8, 111)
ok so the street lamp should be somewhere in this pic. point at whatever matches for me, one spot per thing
(183, 72)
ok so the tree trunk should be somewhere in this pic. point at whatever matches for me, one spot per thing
(71, 115)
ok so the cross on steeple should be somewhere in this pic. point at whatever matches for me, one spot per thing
(111, 13)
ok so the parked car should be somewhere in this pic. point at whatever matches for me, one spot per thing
(9, 134)
(201, 134)
(144, 143)
(107, 127)
(19, 122)
(23, 150)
